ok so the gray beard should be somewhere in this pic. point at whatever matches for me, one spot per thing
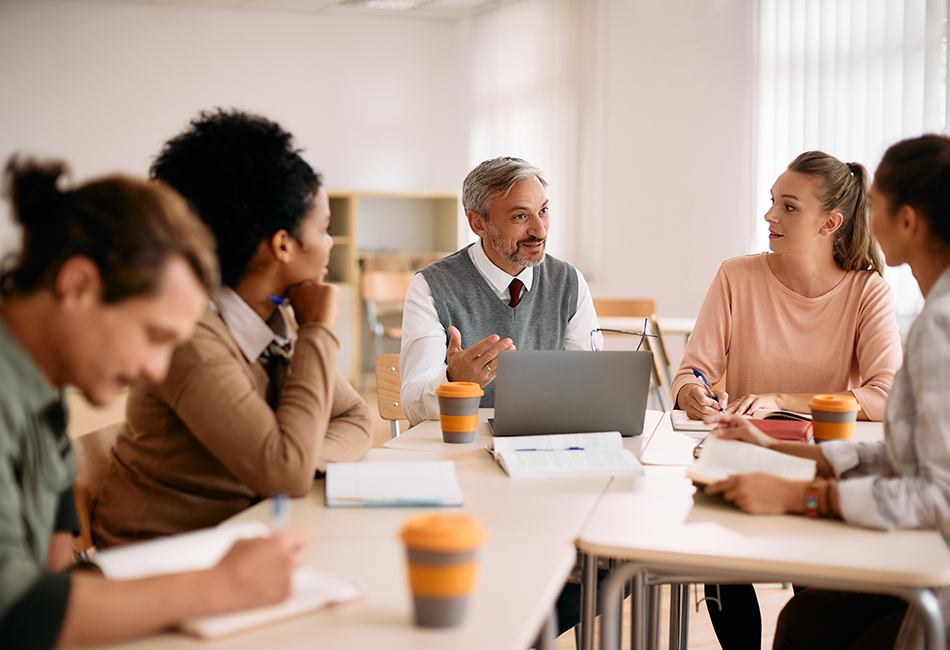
(515, 257)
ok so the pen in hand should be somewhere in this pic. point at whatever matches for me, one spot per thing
(280, 512)
(706, 387)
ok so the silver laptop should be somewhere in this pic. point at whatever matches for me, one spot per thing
(561, 391)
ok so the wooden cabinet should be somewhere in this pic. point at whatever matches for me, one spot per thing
(368, 224)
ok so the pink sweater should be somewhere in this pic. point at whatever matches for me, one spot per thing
(769, 339)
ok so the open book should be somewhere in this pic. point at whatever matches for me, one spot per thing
(778, 424)
(720, 458)
(202, 549)
(565, 454)
(779, 414)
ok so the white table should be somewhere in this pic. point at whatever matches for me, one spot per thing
(531, 526)
(521, 570)
(655, 525)
(518, 581)
(572, 503)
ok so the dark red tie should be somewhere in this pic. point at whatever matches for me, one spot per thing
(514, 290)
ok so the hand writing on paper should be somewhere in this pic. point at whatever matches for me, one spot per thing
(697, 404)
(749, 403)
(258, 571)
(762, 494)
(479, 362)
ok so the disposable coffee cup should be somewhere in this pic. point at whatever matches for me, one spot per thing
(440, 550)
(458, 410)
(833, 416)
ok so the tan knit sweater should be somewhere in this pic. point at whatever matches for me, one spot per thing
(205, 444)
(769, 339)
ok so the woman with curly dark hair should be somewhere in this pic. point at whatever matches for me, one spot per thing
(253, 405)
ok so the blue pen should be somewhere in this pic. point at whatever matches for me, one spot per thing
(563, 449)
(280, 512)
(698, 448)
(709, 392)
(277, 300)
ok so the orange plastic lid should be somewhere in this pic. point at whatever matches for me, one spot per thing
(459, 389)
(837, 403)
(445, 533)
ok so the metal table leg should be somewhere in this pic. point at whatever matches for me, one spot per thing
(588, 600)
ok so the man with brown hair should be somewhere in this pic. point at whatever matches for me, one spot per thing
(112, 277)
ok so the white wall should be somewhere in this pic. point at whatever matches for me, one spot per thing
(377, 102)
(669, 128)
(646, 127)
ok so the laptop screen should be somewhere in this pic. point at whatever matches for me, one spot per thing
(568, 391)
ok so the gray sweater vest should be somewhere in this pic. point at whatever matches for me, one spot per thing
(464, 298)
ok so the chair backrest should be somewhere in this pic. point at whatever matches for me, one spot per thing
(625, 307)
(644, 308)
(388, 390)
(386, 287)
(93, 452)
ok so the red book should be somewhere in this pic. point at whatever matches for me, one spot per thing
(785, 429)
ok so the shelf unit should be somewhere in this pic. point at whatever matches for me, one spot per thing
(369, 223)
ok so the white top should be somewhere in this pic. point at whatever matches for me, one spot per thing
(422, 357)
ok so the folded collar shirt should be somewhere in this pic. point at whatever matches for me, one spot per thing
(253, 334)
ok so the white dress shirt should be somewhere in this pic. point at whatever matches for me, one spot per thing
(422, 357)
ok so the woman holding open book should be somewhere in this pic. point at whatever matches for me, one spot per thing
(812, 316)
(904, 480)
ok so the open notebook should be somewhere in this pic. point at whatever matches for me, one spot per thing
(202, 549)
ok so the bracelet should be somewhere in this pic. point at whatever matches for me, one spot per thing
(811, 501)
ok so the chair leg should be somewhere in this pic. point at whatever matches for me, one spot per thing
(394, 427)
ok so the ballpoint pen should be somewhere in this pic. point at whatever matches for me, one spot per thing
(698, 448)
(709, 392)
(280, 512)
(277, 300)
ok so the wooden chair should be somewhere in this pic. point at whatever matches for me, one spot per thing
(388, 390)
(662, 380)
(93, 453)
(385, 294)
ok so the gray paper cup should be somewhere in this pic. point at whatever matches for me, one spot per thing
(458, 410)
(442, 567)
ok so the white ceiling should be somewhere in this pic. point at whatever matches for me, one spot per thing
(429, 8)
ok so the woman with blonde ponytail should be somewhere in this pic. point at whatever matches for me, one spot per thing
(812, 316)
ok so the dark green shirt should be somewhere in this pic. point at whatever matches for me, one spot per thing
(36, 473)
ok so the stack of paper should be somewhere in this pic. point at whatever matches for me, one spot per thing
(203, 549)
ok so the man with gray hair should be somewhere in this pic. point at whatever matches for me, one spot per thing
(500, 293)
